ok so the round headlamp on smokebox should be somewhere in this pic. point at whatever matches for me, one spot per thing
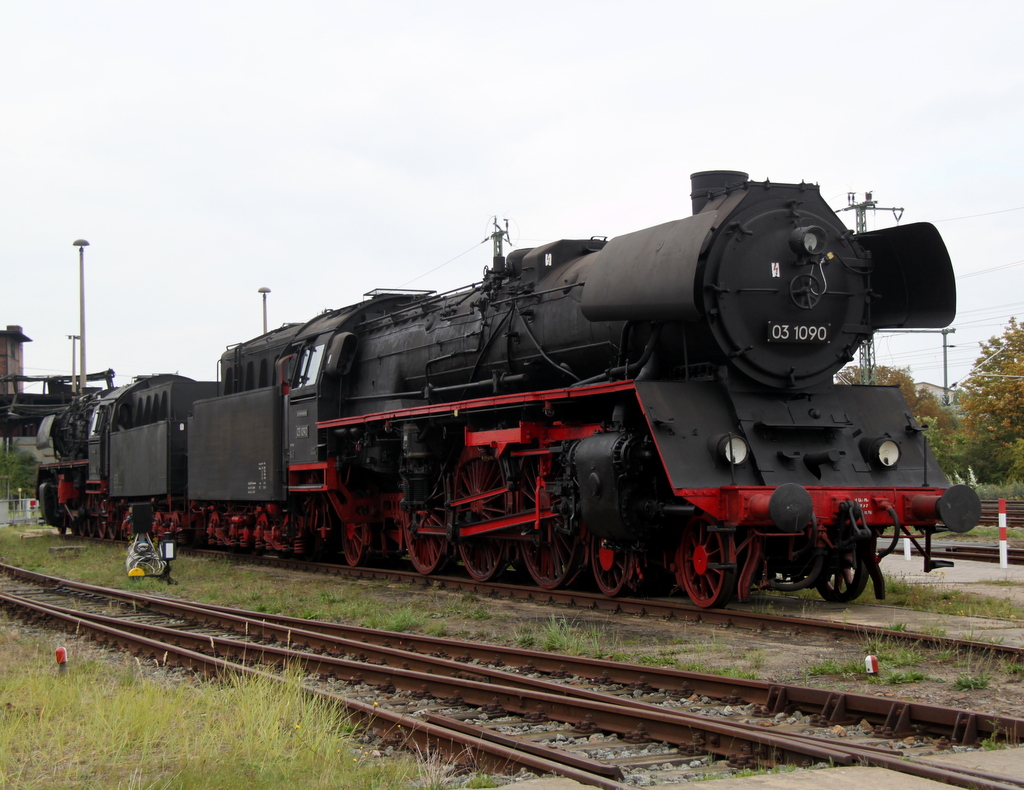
(730, 449)
(808, 240)
(881, 452)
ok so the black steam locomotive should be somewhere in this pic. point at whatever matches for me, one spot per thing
(655, 409)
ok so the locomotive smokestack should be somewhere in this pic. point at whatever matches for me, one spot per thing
(705, 182)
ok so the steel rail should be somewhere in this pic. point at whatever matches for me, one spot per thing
(645, 607)
(429, 737)
(980, 553)
(895, 717)
(633, 721)
(990, 512)
(836, 708)
(777, 697)
(707, 733)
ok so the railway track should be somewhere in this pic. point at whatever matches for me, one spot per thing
(667, 608)
(990, 513)
(600, 722)
(976, 553)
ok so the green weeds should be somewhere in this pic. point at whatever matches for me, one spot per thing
(103, 725)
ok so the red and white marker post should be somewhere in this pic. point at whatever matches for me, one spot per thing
(1004, 559)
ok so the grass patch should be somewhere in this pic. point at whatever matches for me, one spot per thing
(736, 672)
(896, 652)
(655, 660)
(900, 677)
(972, 682)
(834, 666)
(102, 725)
(951, 601)
(226, 583)
(573, 638)
(404, 619)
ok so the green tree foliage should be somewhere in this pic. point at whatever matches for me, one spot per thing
(20, 468)
(992, 403)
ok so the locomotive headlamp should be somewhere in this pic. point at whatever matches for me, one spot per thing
(731, 449)
(882, 452)
(809, 240)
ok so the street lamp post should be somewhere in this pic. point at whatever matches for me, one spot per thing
(81, 244)
(264, 290)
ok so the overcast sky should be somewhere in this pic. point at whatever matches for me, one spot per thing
(323, 149)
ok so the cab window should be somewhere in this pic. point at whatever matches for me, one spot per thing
(309, 366)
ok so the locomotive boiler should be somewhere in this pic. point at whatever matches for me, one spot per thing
(657, 410)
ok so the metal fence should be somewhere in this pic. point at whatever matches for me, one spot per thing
(19, 511)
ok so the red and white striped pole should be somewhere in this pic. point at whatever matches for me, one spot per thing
(1004, 559)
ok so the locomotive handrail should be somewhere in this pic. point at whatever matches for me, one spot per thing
(813, 426)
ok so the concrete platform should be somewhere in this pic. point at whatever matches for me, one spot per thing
(1004, 762)
(962, 572)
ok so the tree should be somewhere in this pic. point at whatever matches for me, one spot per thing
(992, 403)
(19, 470)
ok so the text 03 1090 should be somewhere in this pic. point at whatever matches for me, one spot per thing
(798, 333)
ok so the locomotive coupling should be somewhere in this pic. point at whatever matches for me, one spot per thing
(789, 507)
(959, 507)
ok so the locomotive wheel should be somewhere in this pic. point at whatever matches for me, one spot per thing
(699, 551)
(555, 558)
(80, 525)
(484, 558)
(100, 520)
(315, 547)
(260, 534)
(613, 570)
(51, 509)
(213, 528)
(428, 551)
(847, 583)
(480, 480)
(355, 541)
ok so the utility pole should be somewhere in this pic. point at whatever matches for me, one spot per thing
(946, 400)
(867, 348)
(82, 374)
(497, 237)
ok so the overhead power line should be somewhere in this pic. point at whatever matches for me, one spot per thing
(986, 214)
(450, 260)
(990, 270)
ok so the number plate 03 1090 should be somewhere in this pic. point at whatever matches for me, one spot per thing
(798, 333)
